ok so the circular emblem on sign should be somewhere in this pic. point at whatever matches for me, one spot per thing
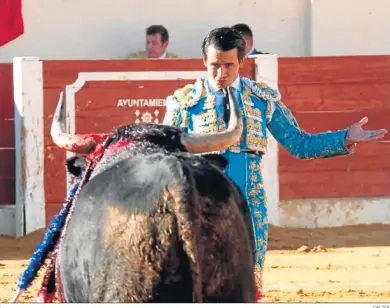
(146, 117)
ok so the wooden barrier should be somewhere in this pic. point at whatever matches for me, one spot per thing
(329, 93)
(99, 96)
(324, 93)
(7, 137)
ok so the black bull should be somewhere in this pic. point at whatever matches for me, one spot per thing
(156, 223)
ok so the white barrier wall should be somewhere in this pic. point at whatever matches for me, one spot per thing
(349, 27)
(101, 29)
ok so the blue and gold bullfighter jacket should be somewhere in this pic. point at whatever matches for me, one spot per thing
(198, 109)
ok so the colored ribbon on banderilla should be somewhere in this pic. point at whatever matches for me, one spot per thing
(42, 250)
(51, 239)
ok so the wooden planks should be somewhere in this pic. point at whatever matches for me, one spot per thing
(102, 105)
(330, 93)
(7, 136)
(324, 93)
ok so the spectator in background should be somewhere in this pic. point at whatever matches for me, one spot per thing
(157, 41)
(246, 32)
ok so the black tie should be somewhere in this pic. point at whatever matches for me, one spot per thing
(226, 106)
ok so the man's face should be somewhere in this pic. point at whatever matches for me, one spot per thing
(155, 46)
(222, 66)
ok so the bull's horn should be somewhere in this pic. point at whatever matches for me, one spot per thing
(222, 140)
(73, 143)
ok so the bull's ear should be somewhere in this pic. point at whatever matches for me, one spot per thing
(217, 159)
(75, 165)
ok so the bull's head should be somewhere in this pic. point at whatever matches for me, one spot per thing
(195, 143)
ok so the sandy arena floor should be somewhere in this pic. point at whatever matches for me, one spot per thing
(348, 264)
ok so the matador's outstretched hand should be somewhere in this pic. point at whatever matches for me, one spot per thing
(356, 133)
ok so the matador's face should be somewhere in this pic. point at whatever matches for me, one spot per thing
(222, 66)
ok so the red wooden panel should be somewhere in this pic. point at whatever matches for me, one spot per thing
(7, 136)
(336, 96)
(7, 163)
(328, 70)
(314, 122)
(52, 209)
(325, 93)
(55, 176)
(370, 156)
(335, 83)
(7, 133)
(329, 175)
(330, 93)
(6, 91)
(7, 191)
(106, 105)
(7, 176)
(334, 184)
(96, 105)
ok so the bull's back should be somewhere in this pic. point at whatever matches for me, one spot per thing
(121, 235)
(126, 239)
